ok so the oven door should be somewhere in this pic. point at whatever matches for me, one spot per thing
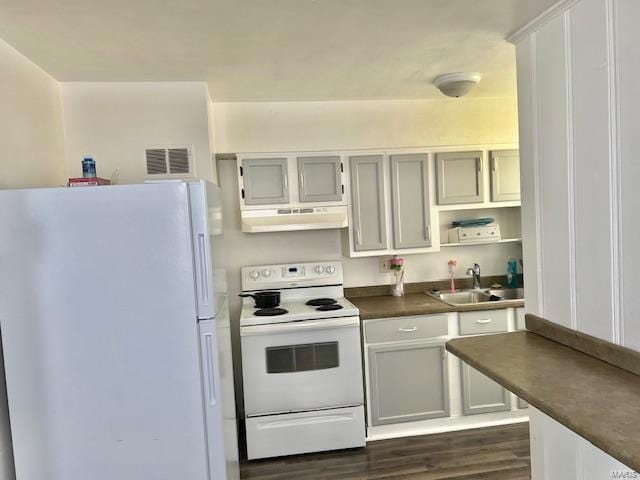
(300, 366)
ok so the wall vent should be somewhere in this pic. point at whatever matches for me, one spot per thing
(169, 161)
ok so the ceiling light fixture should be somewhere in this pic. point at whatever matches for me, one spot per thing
(457, 84)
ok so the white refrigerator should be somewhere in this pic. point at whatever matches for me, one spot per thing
(116, 336)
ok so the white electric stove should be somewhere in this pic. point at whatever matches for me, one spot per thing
(301, 362)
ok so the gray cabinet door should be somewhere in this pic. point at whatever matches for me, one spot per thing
(319, 179)
(407, 382)
(367, 203)
(505, 175)
(459, 178)
(265, 181)
(480, 394)
(410, 199)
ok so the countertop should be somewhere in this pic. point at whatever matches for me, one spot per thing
(597, 400)
(383, 306)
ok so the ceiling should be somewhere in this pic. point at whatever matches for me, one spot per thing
(275, 50)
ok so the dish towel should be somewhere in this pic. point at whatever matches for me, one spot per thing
(472, 223)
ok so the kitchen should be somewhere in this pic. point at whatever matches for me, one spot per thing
(386, 173)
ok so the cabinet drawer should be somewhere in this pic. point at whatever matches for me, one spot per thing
(405, 328)
(487, 321)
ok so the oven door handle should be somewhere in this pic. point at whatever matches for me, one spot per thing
(301, 326)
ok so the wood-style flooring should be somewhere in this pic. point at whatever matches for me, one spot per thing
(496, 453)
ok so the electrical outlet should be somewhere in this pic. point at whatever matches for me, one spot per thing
(384, 264)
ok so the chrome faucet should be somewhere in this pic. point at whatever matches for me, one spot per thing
(475, 271)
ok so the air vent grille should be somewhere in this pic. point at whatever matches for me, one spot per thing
(157, 161)
(179, 160)
(169, 161)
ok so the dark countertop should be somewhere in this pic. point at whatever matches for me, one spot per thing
(384, 306)
(597, 400)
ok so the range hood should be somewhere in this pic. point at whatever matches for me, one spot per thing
(289, 219)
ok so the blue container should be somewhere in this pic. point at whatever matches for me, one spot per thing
(88, 167)
(512, 273)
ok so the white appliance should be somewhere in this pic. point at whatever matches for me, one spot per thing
(115, 330)
(301, 364)
(289, 219)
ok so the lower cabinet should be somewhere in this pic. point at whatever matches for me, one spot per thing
(408, 381)
(480, 394)
(408, 378)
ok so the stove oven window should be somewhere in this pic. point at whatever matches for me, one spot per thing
(302, 358)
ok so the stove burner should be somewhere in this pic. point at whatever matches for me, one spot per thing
(270, 312)
(318, 302)
(326, 308)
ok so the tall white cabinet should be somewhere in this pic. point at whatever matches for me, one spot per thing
(579, 107)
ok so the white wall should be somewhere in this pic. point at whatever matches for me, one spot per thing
(578, 115)
(32, 141)
(291, 126)
(30, 124)
(115, 122)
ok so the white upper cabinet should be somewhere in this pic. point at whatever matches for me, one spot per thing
(505, 175)
(303, 181)
(320, 179)
(410, 201)
(368, 203)
(265, 181)
(459, 178)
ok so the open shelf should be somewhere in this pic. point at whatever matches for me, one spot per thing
(477, 206)
(466, 244)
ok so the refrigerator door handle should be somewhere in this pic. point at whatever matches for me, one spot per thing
(204, 268)
(208, 341)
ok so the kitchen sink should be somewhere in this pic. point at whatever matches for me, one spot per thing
(475, 297)
(508, 293)
(463, 297)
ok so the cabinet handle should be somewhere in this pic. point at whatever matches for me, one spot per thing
(301, 182)
(286, 182)
(211, 378)
(407, 330)
(484, 320)
(479, 161)
(358, 237)
(427, 232)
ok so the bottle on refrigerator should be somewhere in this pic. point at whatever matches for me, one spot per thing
(88, 167)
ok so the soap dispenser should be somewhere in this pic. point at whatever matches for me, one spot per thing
(512, 273)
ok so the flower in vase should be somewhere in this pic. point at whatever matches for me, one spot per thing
(396, 263)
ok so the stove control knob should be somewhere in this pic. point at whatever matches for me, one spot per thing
(254, 274)
(319, 269)
(266, 273)
(331, 269)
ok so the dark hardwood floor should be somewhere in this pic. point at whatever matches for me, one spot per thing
(496, 453)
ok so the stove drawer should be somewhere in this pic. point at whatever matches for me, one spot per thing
(405, 328)
(295, 433)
